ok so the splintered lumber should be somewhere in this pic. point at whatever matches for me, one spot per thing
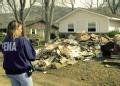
(49, 61)
(112, 61)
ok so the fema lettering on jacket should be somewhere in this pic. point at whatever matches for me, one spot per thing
(9, 46)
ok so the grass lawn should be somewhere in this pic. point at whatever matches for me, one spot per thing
(90, 73)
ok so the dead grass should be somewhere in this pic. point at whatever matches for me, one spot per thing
(90, 73)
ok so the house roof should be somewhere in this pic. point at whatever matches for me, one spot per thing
(29, 23)
(81, 9)
(113, 18)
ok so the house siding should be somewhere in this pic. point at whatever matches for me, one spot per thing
(40, 31)
(80, 19)
(39, 27)
(114, 25)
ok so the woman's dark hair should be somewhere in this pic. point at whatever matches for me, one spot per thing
(12, 26)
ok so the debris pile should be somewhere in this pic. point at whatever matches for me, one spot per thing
(58, 54)
(101, 38)
(117, 44)
(63, 52)
(115, 55)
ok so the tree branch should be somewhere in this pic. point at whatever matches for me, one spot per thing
(85, 4)
(51, 12)
(13, 7)
(22, 7)
(118, 4)
(31, 4)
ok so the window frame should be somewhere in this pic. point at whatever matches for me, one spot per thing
(35, 32)
(92, 28)
(71, 27)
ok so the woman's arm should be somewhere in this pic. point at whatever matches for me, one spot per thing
(29, 50)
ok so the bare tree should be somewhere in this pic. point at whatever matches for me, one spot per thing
(19, 11)
(92, 3)
(47, 31)
(87, 3)
(70, 2)
(113, 5)
(102, 4)
(41, 2)
(99, 3)
(49, 11)
(42, 8)
(3, 7)
(1, 1)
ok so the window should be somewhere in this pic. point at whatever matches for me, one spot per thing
(33, 31)
(70, 27)
(92, 27)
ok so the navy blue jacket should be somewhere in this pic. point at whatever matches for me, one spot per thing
(17, 55)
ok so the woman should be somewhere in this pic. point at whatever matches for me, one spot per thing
(18, 54)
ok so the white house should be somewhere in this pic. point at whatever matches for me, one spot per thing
(81, 20)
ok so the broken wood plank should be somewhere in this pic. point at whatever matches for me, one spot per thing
(112, 61)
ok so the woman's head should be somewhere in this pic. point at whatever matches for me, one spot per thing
(14, 29)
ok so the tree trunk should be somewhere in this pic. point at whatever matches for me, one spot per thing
(49, 10)
(72, 4)
(113, 6)
(97, 3)
(47, 33)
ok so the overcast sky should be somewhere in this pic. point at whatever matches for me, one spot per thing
(89, 1)
(77, 4)
(81, 3)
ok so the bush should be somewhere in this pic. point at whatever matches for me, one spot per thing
(2, 36)
(112, 33)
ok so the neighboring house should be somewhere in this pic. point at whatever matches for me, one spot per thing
(81, 20)
(35, 30)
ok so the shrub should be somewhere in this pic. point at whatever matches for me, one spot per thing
(2, 36)
(112, 33)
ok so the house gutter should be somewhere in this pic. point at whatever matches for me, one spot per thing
(112, 18)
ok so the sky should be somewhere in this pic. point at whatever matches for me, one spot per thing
(77, 3)
(81, 3)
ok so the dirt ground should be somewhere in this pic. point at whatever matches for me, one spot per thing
(91, 73)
